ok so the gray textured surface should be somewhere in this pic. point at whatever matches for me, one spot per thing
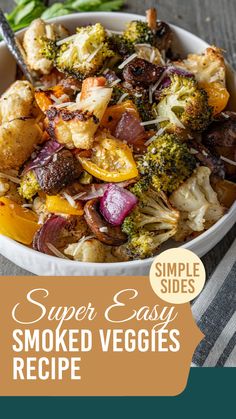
(213, 20)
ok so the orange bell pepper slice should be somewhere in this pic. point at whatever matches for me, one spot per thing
(58, 205)
(218, 96)
(43, 97)
(16, 222)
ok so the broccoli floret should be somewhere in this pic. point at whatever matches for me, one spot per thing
(151, 223)
(184, 105)
(139, 32)
(121, 46)
(83, 54)
(49, 49)
(167, 163)
(29, 185)
(141, 186)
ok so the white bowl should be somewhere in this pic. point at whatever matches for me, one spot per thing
(41, 264)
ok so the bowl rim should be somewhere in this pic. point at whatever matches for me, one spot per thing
(230, 215)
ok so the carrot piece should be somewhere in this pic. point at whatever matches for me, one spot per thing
(89, 83)
(43, 97)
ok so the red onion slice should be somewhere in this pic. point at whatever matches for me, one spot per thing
(116, 204)
(166, 81)
(129, 129)
(49, 233)
(44, 156)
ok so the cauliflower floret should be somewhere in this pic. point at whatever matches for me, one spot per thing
(19, 130)
(197, 201)
(90, 250)
(17, 141)
(75, 125)
(32, 44)
(208, 67)
(4, 187)
(8, 188)
(18, 102)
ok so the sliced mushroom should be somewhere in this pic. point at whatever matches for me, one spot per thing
(206, 158)
(226, 191)
(104, 232)
(161, 30)
(58, 173)
(141, 72)
(163, 38)
(220, 138)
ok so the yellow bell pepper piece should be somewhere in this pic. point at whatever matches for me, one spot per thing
(16, 222)
(111, 161)
(59, 205)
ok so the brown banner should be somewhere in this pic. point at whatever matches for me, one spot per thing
(92, 336)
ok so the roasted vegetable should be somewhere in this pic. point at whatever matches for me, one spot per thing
(61, 171)
(47, 98)
(138, 96)
(218, 96)
(87, 250)
(111, 160)
(161, 30)
(166, 164)
(75, 125)
(206, 158)
(29, 185)
(121, 45)
(220, 138)
(19, 129)
(16, 222)
(83, 54)
(148, 53)
(103, 231)
(114, 113)
(138, 32)
(53, 235)
(116, 204)
(208, 67)
(18, 102)
(35, 37)
(151, 223)
(18, 139)
(140, 72)
(184, 105)
(197, 201)
(57, 204)
(124, 122)
(226, 191)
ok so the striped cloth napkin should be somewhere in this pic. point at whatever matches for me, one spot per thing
(215, 313)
